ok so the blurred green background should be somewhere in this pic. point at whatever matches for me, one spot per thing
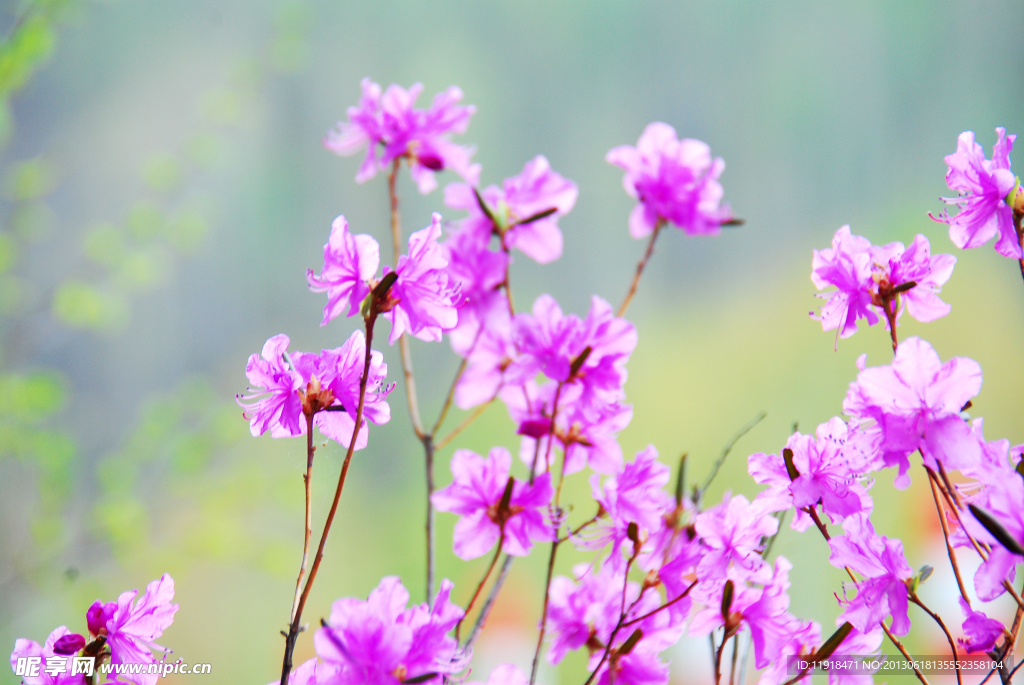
(164, 188)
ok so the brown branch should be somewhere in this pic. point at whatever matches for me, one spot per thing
(640, 267)
(938, 619)
(443, 442)
(483, 581)
(945, 534)
(307, 480)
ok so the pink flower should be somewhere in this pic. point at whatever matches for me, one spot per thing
(312, 672)
(350, 261)
(827, 474)
(916, 403)
(381, 642)
(504, 674)
(423, 301)
(1001, 499)
(883, 591)
(983, 186)
(673, 180)
(980, 631)
(552, 343)
(484, 374)
(732, 533)
(131, 626)
(479, 274)
(632, 496)
(587, 433)
(535, 192)
(421, 136)
(24, 649)
(476, 495)
(332, 378)
(871, 278)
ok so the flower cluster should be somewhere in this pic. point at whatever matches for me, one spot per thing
(121, 632)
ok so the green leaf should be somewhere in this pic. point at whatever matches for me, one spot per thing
(29, 180)
(33, 221)
(82, 305)
(8, 251)
(105, 244)
(144, 221)
(19, 57)
(162, 172)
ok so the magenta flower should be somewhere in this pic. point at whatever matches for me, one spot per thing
(871, 279)
(423, 301)
(350, 261)
(476, 496)
(585, 613)
(421, 136)
(479, 274)
(1000, 499)
(983, 186)
(826, 475)
(883, 591)
(587, 433)
(732, 533)
(504, 674)
(381, 642)
(536, 192)
(285, 391)
(312, 672)
(131, 626)
(673, 180)
(632, 496)
(26, 649)
(980, 632)
(916, 403)
(484, 374)
(552, 343)
(772, 627)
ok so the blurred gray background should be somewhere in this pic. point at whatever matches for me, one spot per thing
(165, 188)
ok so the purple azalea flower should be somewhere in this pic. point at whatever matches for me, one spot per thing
(504, 674)
(980, 631)
(24, 648)
(350, 261)
(1001, 498)
(333, 376)
(883, 591)
(275, 406)
(983, 186)
(732, 532)
(867, 277)
(535, 190)
(479, 273)
(916, 403)
(634, 495)
(424, 300)
(800, 638)
(421, 136)
(381, 642)
(585, 613)
(826, 476)
(587, 434)
(476, 495)
(673, 180)
(772, 627)
(131, 626)
(484, 375)
(550, 343)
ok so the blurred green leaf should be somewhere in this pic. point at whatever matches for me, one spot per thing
(143, 268)
(33, 221)
(204, 149)
(125, 522)
(8, 251)
(105, 244)
(13, 291)
(162, 172)
(82, 305)
(192, 453)
(46, 529)
(32, 397)
(29, 180)
(31, 43)
(144, 221)
(188, 231)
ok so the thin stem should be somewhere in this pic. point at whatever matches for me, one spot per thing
(718, 657)
(849, 571)
(663, 606)
(307, 480)
(621, 623)
(640, 268)
(485, 610)
(428, 450)
(293, 629)
(938, 619)
(735, 654)
(1018, 224)
(451, 395)
(890, 315)
(725, 453)
(544, 611)
(483, 581)
(443, 442)
(945, 535)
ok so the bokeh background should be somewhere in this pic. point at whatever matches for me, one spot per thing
(164, 188)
